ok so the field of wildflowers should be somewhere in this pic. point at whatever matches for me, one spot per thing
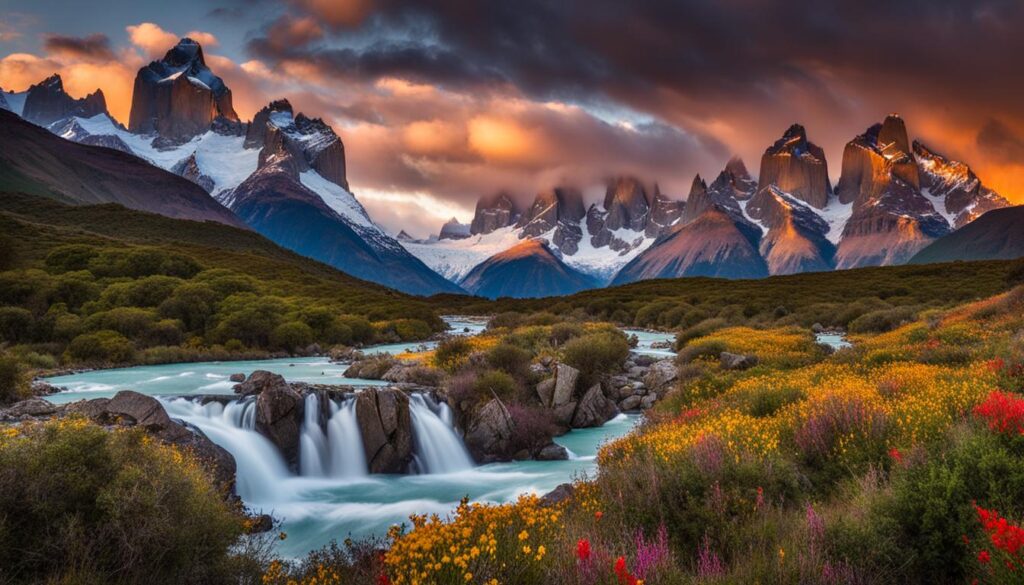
(882, 463)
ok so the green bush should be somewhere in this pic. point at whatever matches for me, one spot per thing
(15, 324)
(452, 352)
(13, 381)
(101, 347)
(79, 504)
(292, 335)
(563, 332)
(509, 359)
(596, 353)
(881, 321)
(496, 383)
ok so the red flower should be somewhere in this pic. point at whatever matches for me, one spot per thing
(598, 515)
(995, 365)
(896, 455)
(623, 574)
(984, 557)
(383, 579)
(1003, 411)
(1003, 535)
(583, 549)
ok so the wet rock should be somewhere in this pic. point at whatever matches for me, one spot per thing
(31, 407)
(558, 495)
(565, 384)
(661, 345)
(660, 375)
(261, 523)
(817, 328)
(648, 401)
(372, 368)
(237, 377)
(345, 353)
(563, 414)
(735, 361)
(631, 403)
(385, 423)
(259, 381)
(279, 411)
(594, 409)
(552, 452)
(489, 432)
(132, 408)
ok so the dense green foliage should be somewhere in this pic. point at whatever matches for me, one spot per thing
(103, 284)
(81, 504)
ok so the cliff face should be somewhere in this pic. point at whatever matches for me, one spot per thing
(311, 143)
(954, 186)
(46, 102)
(798, 167)
(892, 219)
(795, 240)
(179, 97)
(559, 209)
(626, 206)
(665, 213)
(494, 212)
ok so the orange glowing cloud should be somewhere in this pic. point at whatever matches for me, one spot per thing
(501, 140)
(155, 41)
(339, 13)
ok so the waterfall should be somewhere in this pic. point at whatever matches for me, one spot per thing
(347, 458)
(313, 449)
(438, 448)
(260, 467)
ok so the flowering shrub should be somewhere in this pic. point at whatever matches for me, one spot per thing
(1006, 542)
(480, 544)
(1003, 412)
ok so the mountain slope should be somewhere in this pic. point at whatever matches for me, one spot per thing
(37, 162)
(528, 269)
(996, 235)
(277, 204)
(715, 244)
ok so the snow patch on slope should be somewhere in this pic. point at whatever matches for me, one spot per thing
(338, 199)
(16, 101)
(836, 215)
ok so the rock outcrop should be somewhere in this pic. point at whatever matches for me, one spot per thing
(594, 409)
(489, 433)
(279, 411)
(665, 213)
(453, 229)
(954, 187)
(189, 169)
(494, 212)
(559, 209)
(385, 423)
(310, 142)
(47, 102)
(892, 219)
(798, 167)
(797, 237)
(178, 97)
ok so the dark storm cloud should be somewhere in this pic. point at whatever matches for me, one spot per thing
(94, 47)
(999, 142)
(698, 47)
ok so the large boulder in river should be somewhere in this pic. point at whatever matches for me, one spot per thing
(28, 408)
(259, 381)
(489, 432)
(385, 423)
(594, 409)
(279, 411)
(660, 375)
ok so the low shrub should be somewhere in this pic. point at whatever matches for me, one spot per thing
(596, 353)
(13, 380)
(79, 504)
(509, 359)
(496, 383)
(101, 347)
(452, 352)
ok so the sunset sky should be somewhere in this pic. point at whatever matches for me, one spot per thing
(440, 102)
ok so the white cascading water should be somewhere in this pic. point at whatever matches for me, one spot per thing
(260, 468)
(336, 452)
(347, 458)
(313, 448)
(438, 447)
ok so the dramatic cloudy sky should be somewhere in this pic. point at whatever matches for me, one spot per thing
(441, 101)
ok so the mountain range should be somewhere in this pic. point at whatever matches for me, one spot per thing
(282, 174)
(894, 198)
(187, 154)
